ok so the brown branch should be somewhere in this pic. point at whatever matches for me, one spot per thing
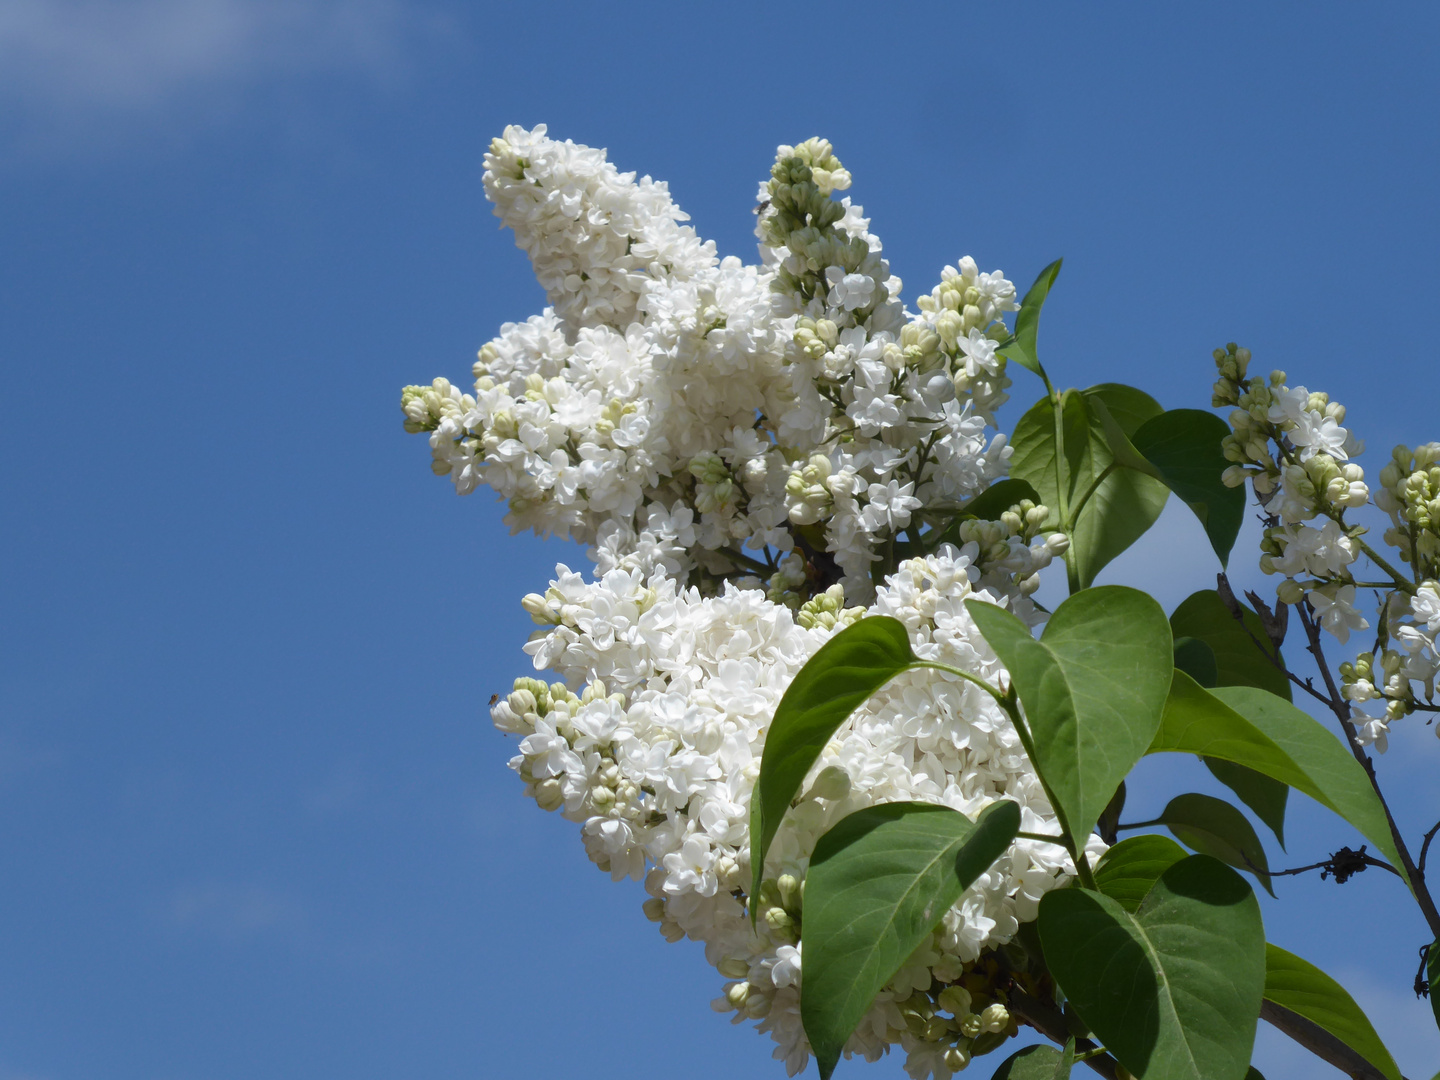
(1320, 1042)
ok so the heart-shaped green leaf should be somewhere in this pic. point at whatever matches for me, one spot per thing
(1129, 870)
(1109, 507)
(1184, 445)
(1093, 687)
(879, 882)
(1213, 827)
(1269, 735)
(1239, 661)
(835, 682)
(1301, 987)
(1038, 1062)
(1022, 348)
(1174, 990)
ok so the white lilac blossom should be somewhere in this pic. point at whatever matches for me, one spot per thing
(679, 411)
(740, 447)
(656, 755)
(1292, 446)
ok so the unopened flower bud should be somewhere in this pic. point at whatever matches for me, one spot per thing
(995, 1017)
(549, 795)
(733, 967)
(957, 1058)
(654, 909)
(737, 994)
(956, 1000)
(1289, 592)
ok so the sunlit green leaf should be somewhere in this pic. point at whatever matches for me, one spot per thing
(834, 683)
(1128, 870)
(1093, 686)
(1108, 515)
(1213, 827)
(1271, 736)
(1173, 991)
(1184, 446)
(879, 882)
(1023, 346)
(1303, 988)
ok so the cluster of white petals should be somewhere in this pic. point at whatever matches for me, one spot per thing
(1292, 446)
(682, 412)
(741, 446)
(656, 757)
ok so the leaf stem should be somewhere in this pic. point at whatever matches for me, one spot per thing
(1011, 704)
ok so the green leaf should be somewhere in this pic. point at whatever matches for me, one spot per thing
(1238, 660)
(1213, 827)
(1128, 870)
(1022, 347)
(1252, 728)
(1183, 445)
(1264, 796)
(1093, 687)
(1108, 515)
(1038, 1062)
(1432, 975)
(879, 882)
(1197, 660)
(1254, 1074)
(1301, 987)
(835, 682)
(1173, 991)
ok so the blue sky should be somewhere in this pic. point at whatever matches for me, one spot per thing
(253, 819)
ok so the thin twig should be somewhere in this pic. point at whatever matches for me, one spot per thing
(1425, 849)
(1337, 704)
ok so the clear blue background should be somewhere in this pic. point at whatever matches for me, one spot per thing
(254, 821)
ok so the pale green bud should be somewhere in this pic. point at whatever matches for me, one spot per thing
(732, 967)
(549, 795)
(955, 999)
(957, 1058)
(995, 1017)
(737, 994)
(789, 887)
(1288, 591)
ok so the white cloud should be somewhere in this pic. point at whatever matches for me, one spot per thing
(62, 59)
